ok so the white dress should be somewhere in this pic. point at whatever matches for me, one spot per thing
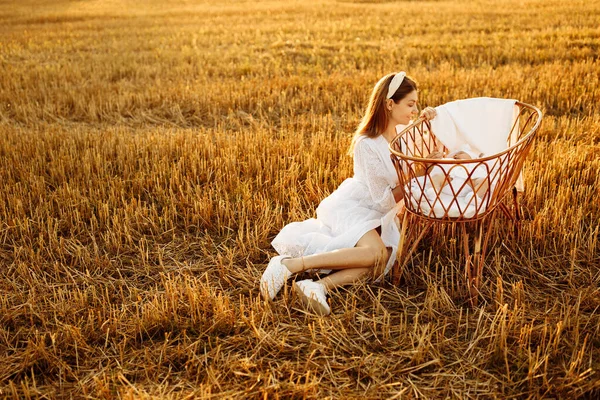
(360, 204)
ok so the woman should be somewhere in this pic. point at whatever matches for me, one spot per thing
(355, 232)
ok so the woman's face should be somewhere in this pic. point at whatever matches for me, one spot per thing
(405, 110)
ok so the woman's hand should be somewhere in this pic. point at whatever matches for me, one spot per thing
(428, 113)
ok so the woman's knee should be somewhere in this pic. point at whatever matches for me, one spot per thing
(379, 255)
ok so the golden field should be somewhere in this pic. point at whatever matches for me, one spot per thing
(151, 150)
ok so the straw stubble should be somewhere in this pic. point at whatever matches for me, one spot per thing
(151, 152)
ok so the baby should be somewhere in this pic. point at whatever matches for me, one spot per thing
(451, 189)
(441, 175)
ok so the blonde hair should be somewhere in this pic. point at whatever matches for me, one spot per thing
(375, 120)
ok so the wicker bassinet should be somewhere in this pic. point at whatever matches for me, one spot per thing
(442, 190)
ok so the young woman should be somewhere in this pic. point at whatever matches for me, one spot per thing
(355, 233)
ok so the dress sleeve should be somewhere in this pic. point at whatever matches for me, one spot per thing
(373, 170)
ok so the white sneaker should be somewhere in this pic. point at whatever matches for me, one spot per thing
(274, 277)
(313, 295)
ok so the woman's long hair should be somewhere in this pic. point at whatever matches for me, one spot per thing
(375, 120)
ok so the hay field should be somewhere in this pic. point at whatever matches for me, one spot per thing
(150, 151)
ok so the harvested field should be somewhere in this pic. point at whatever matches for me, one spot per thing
(151, 150)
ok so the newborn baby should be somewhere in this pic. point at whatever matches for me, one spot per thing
(441, 175)
(454, 190)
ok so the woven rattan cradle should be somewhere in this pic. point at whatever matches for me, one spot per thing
(464, 192)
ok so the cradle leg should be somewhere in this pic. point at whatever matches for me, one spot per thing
(517, 211)
(516, 202)
(476, 261)
(397, 268)
(476, 265)
(469, 270)
(506, 211)
(407, 245)
(487, 225)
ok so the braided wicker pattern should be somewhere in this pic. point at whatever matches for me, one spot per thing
(459, 190)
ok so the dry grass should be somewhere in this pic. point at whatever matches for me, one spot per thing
(150, 151)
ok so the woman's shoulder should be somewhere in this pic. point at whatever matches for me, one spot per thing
(366, 142)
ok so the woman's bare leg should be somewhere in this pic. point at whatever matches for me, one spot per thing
(355, 257)
(344, 277)
(352, 275)
(370, 251)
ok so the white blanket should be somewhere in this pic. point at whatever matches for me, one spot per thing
(483, 123)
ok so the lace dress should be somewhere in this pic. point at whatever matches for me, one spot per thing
(360, 204)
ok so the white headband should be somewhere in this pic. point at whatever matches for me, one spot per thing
(395, 84)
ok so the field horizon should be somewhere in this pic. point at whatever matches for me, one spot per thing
(150, 151)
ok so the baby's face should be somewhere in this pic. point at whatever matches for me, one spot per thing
(436, 154)
(461, 155)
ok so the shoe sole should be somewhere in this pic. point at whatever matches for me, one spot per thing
(310, 303)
